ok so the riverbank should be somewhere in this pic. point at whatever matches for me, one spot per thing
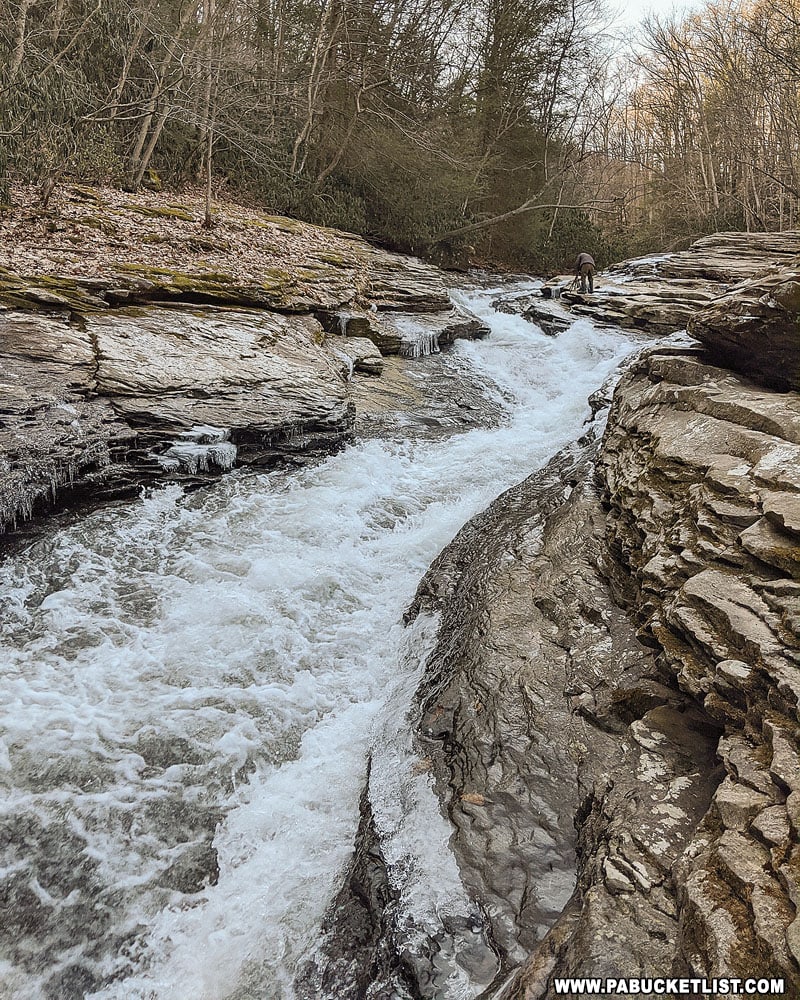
(138, 348)
(608, 706)
(617, 663)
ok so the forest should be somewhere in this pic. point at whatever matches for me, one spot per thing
(508, 131)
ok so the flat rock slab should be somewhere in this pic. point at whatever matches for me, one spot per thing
(657, 305)
(412, 334)
(360, 353)
(662, 293)
(419, 334)
(206, 351)
(721, 257)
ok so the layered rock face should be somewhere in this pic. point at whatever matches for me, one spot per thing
(93, 407)
(698, 474)
(662, 293)
(755, 328)
(688, 832)
(631, 665)
(51, 433)
(701, 471)
(119, 372)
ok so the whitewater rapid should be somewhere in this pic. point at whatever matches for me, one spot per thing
(191, 685)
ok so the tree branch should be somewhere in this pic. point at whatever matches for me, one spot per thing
(528, 206)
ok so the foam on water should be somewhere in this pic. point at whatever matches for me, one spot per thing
(212, 670)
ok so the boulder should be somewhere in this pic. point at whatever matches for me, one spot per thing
(755, 328)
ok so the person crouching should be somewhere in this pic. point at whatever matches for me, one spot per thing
(584, 269)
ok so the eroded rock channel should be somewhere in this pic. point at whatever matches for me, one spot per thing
(581, 748)
(614, 683)
(195, 678)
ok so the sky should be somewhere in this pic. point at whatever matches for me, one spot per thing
(630, 13)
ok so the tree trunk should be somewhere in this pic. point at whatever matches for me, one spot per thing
(130, 53)
(151, 145)
(208, 112)
(158, 89)
(18, 53)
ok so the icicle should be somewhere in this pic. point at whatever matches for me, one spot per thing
(202, 449)
(424, 343)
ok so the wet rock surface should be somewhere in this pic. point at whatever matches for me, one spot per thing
(53, 431)
(99, 406)
(412, 334)
(262, 376)
(359, 353)
(101, 394)
(545, 312)
(691, 463)
(430, 399)
(610, 714)
(529, 719)
(662, 293)
(658, 305)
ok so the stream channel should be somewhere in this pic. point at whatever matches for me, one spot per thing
(192, 683)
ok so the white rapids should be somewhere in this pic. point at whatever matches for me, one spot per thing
(210, 670)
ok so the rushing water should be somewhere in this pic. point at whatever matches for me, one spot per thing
(192, 683)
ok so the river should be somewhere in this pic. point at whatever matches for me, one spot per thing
(192, 682)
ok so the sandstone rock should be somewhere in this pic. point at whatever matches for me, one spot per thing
(411, 334)
(263, 376)
(549, 315)
(737, 805)
(98, 407)
(45, 298)
(662, 293)
(419, 334)
(54, 431)
(783, 509)
(772, 825)
(360, 352)
(655, 306)
(403, 283)
(724, 257)
(755, 328)
(725, 625)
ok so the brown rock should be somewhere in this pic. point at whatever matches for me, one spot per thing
(755, 328)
